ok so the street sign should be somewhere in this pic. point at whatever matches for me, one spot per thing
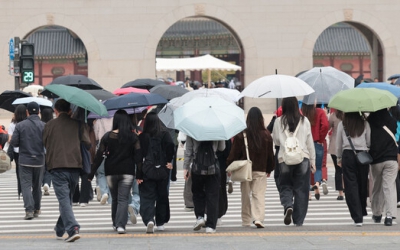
(11, 49)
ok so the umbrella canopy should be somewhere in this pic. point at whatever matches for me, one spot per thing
(395, 76)
(326, 81)
(144, 83)
(100, 94)
(78, 97)
(206, 62)
(41, 101)
(169, 92)
(234, 94)
(382, 85)
(277, 86)
(78, 81)
(134, 100)
(112, 112)
(362, 100)
(33, 89)
(124, 91)
(9, 96)
(209, 119)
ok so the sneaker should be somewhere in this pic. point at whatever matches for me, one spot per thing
(398, 204)
(59, 236)
(104, 199)
(150, 227)
(259, 224)
(121, 230)
(377, 218)
(199, 224)
(75, 204)
(325, 188)
(288, 216)
(46, 189)
(358, 224)
(74, 236)
(210, 230)
(28, 216)
(36, 213)
(98, 193)
(83, 204)
(132, 215)
(340, 198)
(160, 228)
(388, 221)
(230, 187)
(189, 209)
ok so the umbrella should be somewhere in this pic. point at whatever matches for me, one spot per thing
(78, 81)
(8, 96)
(33, 89)
(78, 97)
(234, 94)
(100, 94)
(112, 112)
(326, 81)
(397, 82)
(144, 83)
(41, 101)
(209, 119)
(382, 85)
(277, 86)
(124, 91)
(362, 100)
(134, 100)
(395, 76)
(166, 114)
(169, 92)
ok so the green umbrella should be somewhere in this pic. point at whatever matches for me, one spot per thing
(362, 100)
(78, 97)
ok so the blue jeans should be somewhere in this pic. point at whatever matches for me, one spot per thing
(134, 200)
(102, 182)
(64, 184)
(119, 185)
(319, 156)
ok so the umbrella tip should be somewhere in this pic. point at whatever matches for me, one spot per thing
(276, 71)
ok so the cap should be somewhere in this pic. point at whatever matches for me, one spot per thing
(33, 108)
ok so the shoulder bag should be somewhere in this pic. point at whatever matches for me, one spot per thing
(363, 157)
(241, 170)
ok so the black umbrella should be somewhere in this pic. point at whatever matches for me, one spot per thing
(134, 100)
(9, 96)
(78, 81)
(395, 76)
(144, 83)
(101, 94)
(169, 92)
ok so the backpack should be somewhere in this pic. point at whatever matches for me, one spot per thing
(293, 154)
(155, 160)
(5, 162)
(205, 162)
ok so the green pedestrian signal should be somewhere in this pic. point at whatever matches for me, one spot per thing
(27, 62)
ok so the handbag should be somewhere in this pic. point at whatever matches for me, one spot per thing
(363, 157)
(85, 153)
(241, 170)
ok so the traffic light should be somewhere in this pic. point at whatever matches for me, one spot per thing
(27, 62)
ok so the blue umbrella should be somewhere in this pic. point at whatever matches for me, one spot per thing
(134, 100)
(395, 76)
(382, 85)
(111, 113)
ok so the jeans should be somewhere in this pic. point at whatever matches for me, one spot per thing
(120, 186)
(319, 155)
(102, 182)
(64, 183)
(46, 178)
(134, 199)
(294, 182)
(31, 183)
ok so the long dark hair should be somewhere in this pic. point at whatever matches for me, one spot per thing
(255, 124)
(19, 113)
(123, 123)
(309, 112)
(152, 124)
(353, 122)
(290, 113)
(46, 115)
(339, 114)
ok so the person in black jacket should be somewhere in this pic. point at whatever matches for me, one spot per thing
(384, 167)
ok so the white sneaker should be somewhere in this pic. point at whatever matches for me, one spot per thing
(132, 215)
(199, 224)
(104, 199)
(98, 193)
(83, 204)
(325, 188)
(358, 224)
(209, 230)
(150, 227)
(259, 224)
(75, 204)
(120, 230)
(46, 189)
(160, 228)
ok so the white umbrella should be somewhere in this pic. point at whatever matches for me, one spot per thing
(38, 100)
(209, 119)
(326, 81)
(234, 94)
(33, 89)
(277, 86)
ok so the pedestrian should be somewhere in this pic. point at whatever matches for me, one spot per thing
(153, 175)
(64, 161)
(121, 149)
(187, 189)
(294, 180)
(355, 175)
(384, 168)
(205, 186)
(395, 111)
(46, 115)
(223, 196)
(260, 148)
(270, 128)
(28, 137)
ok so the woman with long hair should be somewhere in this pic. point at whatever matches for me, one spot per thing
(260, 147)
(319, 129)
(121, 148)
(294, 180)
(153, 177)
(355, 175)
(335, 117)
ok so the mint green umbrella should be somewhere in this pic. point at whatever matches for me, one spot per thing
(78, 97)
(362, 100)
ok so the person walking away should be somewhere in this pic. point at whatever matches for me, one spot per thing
(64, 161)
(355, 175)
(260, 147)
(294, 179)
(384, 168)
(28, 137)
(153, 174)
(121, 149)
(395, 112)
(46, 115)
(223, 196)
(270, 128)
(187, 189)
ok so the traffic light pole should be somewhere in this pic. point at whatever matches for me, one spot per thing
(16, 83)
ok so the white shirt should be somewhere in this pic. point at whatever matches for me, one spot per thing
(11, 129)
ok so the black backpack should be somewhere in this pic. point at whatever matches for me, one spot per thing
(155, 160)
(205, 162)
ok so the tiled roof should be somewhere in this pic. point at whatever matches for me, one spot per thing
(56, 43)
(196, 27)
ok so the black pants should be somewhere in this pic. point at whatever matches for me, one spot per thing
(16, 159)
(205, 189)
(223, 197)
(173, 171)
(85, 194)
(338, 174)
(398, 186)
(355, 178)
